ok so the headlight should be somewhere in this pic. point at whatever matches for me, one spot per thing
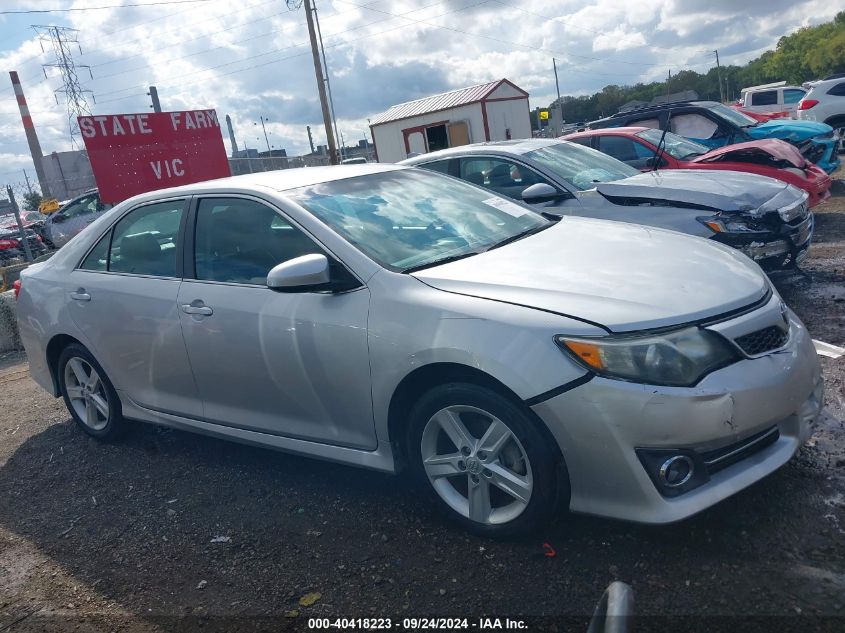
(730, 224)
(680, 358)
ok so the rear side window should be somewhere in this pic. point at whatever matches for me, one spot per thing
(441, 166)
(838, 90)
(792, 95)
(144, 241)
(764, 98)
(98, 258)
(239, 241)
(624, 149)
(693, 126)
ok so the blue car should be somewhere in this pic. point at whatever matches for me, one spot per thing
(714, 125)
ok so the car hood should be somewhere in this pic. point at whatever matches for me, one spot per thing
(790, 130)
(716, 190)
(763, 151)
(625, 277)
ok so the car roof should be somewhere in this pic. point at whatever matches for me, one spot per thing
(619, 131)
(515, 147)
(660, 107)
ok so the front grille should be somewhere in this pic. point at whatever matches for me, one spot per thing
(762, 341)
(724, 457)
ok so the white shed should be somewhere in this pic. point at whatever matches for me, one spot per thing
(493, 111)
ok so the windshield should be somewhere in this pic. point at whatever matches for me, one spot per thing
(734, 116)
(411, 218)
(580, 166)
(674, 145)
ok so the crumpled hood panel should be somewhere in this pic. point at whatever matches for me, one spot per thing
(623, 276)
(789, 130)
(740, 152)
(717, 190)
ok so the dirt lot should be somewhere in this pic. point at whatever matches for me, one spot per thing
(127, 536)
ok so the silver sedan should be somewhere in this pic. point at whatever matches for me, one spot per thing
(383, 316)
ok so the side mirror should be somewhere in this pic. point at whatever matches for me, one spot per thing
(540, 192)
(301, 274)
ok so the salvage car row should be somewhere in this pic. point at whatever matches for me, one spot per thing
(464, 327)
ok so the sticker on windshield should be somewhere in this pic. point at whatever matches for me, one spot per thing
(511, 208)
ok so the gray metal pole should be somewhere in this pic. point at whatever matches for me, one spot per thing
(321, 85)
(328, 83)
(28, 185)
(264, 129)
(557, 85)
(719, 77)
(17, 213)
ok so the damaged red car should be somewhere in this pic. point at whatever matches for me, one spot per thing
(637, 146)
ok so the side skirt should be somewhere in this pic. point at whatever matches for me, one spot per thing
(380, 459)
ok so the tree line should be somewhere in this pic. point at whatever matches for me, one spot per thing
(809, 53)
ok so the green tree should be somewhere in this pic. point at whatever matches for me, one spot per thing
(31, 200)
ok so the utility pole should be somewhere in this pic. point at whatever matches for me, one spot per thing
(557, 86)
(153, 95)
(719, 78)
(328, 83)
(28, 185)
(321, 85)
(264, 129)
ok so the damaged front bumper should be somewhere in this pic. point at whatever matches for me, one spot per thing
(739, 423)
(780, 248)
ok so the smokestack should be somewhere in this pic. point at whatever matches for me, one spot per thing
(31, 136)
(232, 135)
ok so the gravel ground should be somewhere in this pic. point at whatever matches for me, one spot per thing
(170, 531)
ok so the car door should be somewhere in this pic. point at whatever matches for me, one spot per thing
(123, 299)
(293, 364)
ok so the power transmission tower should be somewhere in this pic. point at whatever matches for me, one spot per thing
(60, 39)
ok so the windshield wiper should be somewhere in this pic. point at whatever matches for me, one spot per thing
(519, 236)
(437, 262)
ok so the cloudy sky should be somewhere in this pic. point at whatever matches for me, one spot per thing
(250, 58)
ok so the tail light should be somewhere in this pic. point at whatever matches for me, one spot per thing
(806, 104)
(16, 286)
(7, 244)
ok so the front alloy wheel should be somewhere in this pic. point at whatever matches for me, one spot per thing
(486, 459)
(476, 464)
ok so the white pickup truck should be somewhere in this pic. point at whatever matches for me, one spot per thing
(772, 98)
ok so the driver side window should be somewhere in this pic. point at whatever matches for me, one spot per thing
(500, 175)
(695, 126)
(83, 206)
(239, 241)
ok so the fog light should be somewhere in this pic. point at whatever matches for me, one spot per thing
(676, 471)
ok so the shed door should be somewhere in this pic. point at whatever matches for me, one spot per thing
(458, 134)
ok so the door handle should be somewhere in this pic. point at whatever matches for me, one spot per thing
(80, 295)
(203, 310)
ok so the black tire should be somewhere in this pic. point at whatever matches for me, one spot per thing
(114, 424)
(545, 462)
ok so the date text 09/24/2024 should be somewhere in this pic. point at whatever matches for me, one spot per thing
(416, 624)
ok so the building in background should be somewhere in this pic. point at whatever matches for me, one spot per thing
(68, 174)
(493, 111)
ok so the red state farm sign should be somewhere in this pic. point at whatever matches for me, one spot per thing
(136, 153)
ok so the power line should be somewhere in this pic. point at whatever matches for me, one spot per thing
(111, 6)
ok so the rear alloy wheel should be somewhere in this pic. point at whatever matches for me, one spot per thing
(484, 459)
(88, 393)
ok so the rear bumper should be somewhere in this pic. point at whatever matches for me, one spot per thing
(601, 424)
